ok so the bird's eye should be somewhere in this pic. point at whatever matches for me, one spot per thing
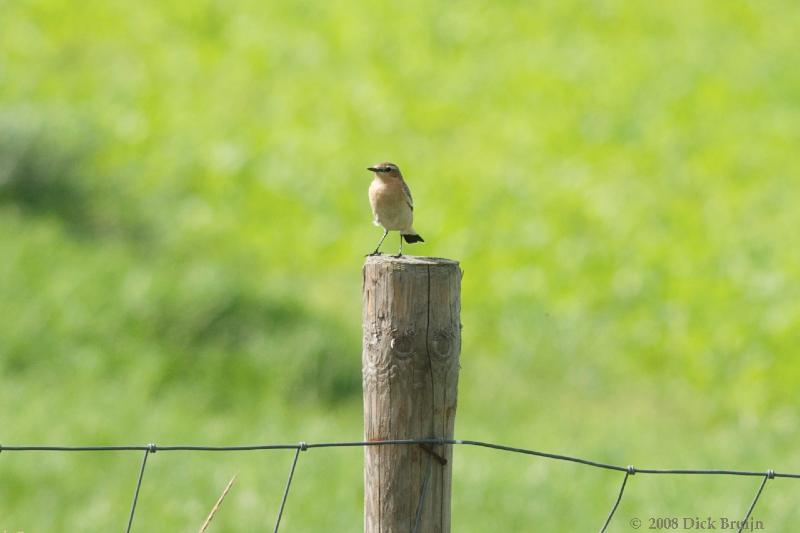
(388, 169)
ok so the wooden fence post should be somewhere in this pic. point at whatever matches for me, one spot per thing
(410, 364)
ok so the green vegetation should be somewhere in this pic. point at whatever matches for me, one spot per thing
(183, 218)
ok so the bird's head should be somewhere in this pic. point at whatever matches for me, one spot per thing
(385, 170)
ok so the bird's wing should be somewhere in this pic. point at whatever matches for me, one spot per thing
(407, 194)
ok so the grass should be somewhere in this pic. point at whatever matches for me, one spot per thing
(183, 218)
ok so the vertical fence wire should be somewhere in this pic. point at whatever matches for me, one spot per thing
(301, 447)
(422, 493)
(151, 448)
(629, 472)
(769, 475)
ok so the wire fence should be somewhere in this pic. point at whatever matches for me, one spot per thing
(628, 471)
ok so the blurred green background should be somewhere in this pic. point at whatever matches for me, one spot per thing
(183, 219)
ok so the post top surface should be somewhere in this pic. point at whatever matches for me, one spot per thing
(409, 260)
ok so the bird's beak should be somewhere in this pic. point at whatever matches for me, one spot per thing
(374, 169)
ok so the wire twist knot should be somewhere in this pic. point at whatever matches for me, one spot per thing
(152, 448)
(770, 474)
(303, 446)
(630, 470)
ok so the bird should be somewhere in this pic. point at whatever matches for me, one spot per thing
(392, 206)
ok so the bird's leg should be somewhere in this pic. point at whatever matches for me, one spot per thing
(400, 253)
(377, 248)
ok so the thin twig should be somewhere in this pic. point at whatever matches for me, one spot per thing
(217, 505)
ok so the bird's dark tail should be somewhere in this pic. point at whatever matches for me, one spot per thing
(413, 238)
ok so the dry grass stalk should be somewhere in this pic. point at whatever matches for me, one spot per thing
(217, 505)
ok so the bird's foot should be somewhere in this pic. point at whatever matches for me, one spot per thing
(376, 252)
(398, 256)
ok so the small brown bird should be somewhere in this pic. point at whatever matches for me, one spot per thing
(392, 206)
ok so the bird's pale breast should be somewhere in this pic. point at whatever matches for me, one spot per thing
(389, 205)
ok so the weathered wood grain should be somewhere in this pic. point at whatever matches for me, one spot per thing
(410, 364)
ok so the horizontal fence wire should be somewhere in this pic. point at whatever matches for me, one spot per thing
(425, 443)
